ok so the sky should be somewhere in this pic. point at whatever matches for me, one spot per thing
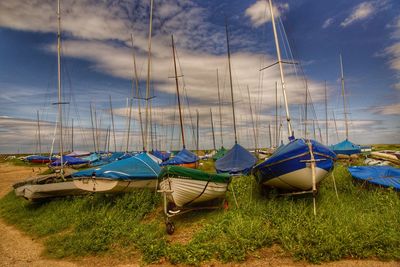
(97, 63)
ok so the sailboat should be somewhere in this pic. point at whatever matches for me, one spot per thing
(139, 171)
(184, 158)
(237, 160)
(345, 147)
(60, 183)
(182, 186)
(300, 164)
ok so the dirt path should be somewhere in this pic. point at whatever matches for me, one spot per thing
(18, 249)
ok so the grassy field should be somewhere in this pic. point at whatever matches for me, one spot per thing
(362, 223)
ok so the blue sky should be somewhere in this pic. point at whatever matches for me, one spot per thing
(97, 62)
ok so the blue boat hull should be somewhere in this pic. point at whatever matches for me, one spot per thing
(288, 168)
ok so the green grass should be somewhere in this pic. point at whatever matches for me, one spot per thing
(362, 223)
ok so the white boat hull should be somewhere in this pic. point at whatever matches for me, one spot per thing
(42, 191)
(113, 186)
(297, 180)
(186, 191)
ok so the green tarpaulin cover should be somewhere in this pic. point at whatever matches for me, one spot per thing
(220, 153)
(177, 171)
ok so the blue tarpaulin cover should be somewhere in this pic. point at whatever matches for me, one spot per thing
(140, 166)
(346, 147)
(381, 175)
(161, 155)
(39, 158)
(92, 158)
(184, 156)
(115, 156)
(69, 161)
(235, 161)
(290, 157)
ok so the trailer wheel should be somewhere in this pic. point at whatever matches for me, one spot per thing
(170, 227)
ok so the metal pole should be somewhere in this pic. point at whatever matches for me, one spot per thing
(197, 130)
(59, 88)
(278, 52)
(113, 127)
(230, 81)
(212, 129)
(91, 119)
(220, 113)
(252, 121)
(326, 116)
(138, 94)
(72, 136)
(177, 92)
(305, 112)
(276, 115)
(148, 75)
(344, 98)
(38, 124)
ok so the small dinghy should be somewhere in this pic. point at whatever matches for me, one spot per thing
(192, 186)
(385, 176)
(47, 186)
(184, 158)
(139, 171)
(40, 159)
(182, 187)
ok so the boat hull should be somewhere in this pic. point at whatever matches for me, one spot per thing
(297, 180)
(290, 168)
(192, 165)
(113, 186)
(187, 191)
(35, 192)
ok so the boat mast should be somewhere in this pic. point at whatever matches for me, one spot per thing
(148, 76)
(59, 88)
(305, 112)
(113, 127)
(252, 121)
(129, 125)
(212, 129)
(177, 92)
(137, 92)
(38, 125)
(96, 129)
(230, 81)
(326, 116)
(334, 120)
(344, 97)
(270, 135)
(220, 113)
(278, 52)
(72, 136)
(197, 131)
(91, 119)
(276, 115)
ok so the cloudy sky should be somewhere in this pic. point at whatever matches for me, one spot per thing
(97, 62)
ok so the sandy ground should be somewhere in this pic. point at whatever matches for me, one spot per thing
(18, 249)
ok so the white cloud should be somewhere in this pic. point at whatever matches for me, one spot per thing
(328, 22)
(360, 12)
(393, 109)
(392, 52)
(364, 11)
(259, 12)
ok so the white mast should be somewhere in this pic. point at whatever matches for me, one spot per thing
(148, 76)
(230, 82)
(344, 97)
(220, 113)
(59, 88)
(38, 125)
(278, 52)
